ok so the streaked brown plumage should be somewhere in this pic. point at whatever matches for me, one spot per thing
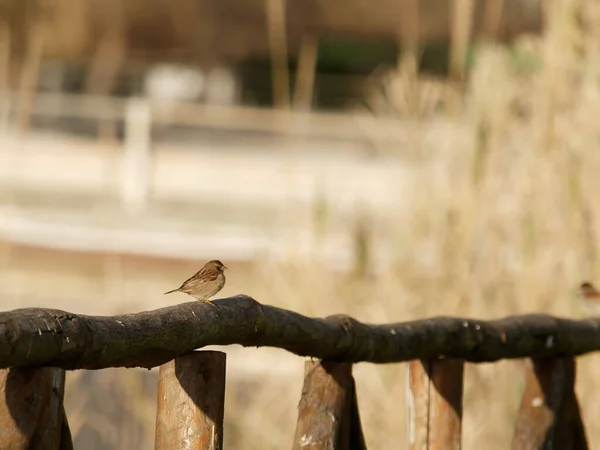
(205, 283)
(590, 297)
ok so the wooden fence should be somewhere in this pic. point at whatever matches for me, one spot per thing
(38, 345)
(350, 132)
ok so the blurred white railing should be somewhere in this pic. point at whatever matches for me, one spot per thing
(138, 116)
(333, 125)
(282, 178)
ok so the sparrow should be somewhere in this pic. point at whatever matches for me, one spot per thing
(590, 296)
(205, 283)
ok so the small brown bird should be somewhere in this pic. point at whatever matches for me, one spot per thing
(590, 296)
(205, 283)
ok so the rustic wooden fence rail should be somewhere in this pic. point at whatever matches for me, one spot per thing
(37, 345)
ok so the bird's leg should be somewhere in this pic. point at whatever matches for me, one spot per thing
(205, 300)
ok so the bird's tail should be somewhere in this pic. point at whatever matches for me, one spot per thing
(170, 292)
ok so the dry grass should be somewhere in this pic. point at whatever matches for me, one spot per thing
(503, 221)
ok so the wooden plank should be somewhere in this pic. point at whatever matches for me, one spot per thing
(445, 403)
(549, 416)
(324, 407)
(463, 12)
(311, 124)
(30, 70)
(305, 73)
(5, 54)
(276, 28)
(31, 409)
(418, 404)
(462, 25)
(492, 18)
(191, 398)
(435, 404)
(409, 54)
(137, 158)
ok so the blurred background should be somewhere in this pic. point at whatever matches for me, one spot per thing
(390, 160)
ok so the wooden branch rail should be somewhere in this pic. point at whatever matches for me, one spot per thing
(191, 391)
(36, 336)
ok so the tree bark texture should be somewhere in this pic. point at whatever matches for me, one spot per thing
(324, 409)
(549, 416)
(31, 409)
(36, 336)
(435, 404)
(191, 402)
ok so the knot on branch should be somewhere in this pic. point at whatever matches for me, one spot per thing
(343, 322)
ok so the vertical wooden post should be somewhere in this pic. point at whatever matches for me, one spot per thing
(492, 17)
(5, 54)
(460, 35)
(108, 58)
(305, 72)
(279, 56)
(328, 416)
(5, 68)
(549, 415)
(30, 70)
(191, 399)
(418, 404)
(408, 60)
(435, 404)
(31, 409)
(137, 157)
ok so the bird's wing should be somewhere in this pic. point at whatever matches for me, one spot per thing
(187, 281)
(202, 276)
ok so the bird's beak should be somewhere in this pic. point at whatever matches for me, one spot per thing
(225, 267)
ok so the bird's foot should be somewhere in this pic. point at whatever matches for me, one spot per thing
(205, 300)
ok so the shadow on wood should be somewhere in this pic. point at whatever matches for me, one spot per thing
(435, 404)
(191, 399)
(356, 437)
(328, 416)
(31, 409)
(549, 416)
